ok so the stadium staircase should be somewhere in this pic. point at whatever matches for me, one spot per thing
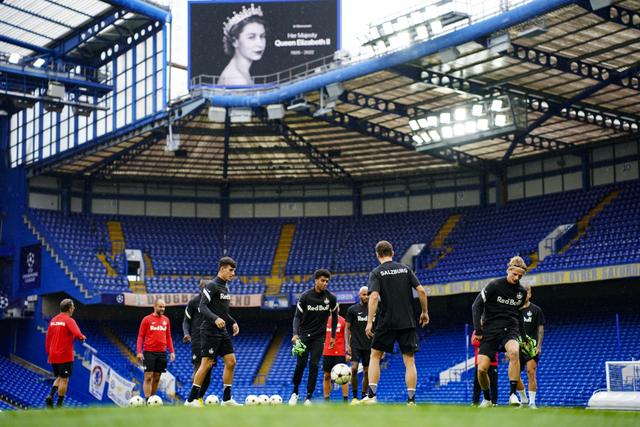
(115, 340)
(148, 265)
(280, 259)
(270, 355)
(40, 236)
(137, 287)
(103, 259)
(116, 236)
(583, 223)
(437, 244)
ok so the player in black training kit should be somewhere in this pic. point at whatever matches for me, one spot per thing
(309, 326)
(215, 339)
(191, 330)
(358, 343)
(532, 324)
(391, 284)
(500, 302)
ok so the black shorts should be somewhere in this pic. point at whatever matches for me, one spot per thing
(407, 339)
(495, 341)
(196, 356)
(328, 362)
(215, 344)
(154, 361)
(524, 358)
(62, 370)
(361, 355)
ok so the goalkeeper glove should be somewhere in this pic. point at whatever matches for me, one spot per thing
(298, 348)
(528, 345)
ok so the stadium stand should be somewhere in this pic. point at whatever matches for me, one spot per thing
(25, 387)
(184, 249)
(462, 134)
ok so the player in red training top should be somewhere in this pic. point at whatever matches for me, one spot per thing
(155, 333)
(59, 346)
(332, 355)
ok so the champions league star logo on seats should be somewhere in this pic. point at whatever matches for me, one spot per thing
(120, 299)
(31, 260)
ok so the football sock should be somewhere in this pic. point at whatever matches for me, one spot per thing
(327, 397)
(205, 385)
(373, 388)
(309, 396)
(523, 395)
(226, 393)
(53, 391)
(60, 401)
(195, 392)
(411, 392)
(512, 387)
(486, 394)
(532, 398)
(345, 398)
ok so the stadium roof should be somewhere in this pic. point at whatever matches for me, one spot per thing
(579, 77)
(71, 29)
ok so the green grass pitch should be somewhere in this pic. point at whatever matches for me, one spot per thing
(318, 415)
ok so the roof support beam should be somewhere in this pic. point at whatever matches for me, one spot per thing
(538, 101)
(227, 137)
(566, 109)
(23, 44)
(111, 164)
(538, 143)
(182, 111)
(84, 34)
(569, 65)
(616, 14)
(401, 139)
(143, 8)
(296, 141)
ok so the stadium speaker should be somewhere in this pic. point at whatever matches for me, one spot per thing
(55, 90)
(448, 55)
(275, 111)
(240, 114)
(334, 90)
(217, 114)
(500, 43)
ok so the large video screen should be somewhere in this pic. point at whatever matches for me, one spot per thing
(241, 42)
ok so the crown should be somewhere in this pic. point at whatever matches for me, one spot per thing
(239, 16)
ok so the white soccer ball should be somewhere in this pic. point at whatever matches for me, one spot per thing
(263, 399)
(137, 401)
(276, 399)
(212, 399)
(154, 400)
(251, 399)
(341, 374)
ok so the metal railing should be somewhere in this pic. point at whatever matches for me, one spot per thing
(207, 84)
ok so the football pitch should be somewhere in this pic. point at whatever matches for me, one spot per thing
(319, 415)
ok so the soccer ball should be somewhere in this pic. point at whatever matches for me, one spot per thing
(341, 374)
(154, 400)
(276, 399)
(136, 401)
(263, 399)
(251, 399)
(212, 399)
